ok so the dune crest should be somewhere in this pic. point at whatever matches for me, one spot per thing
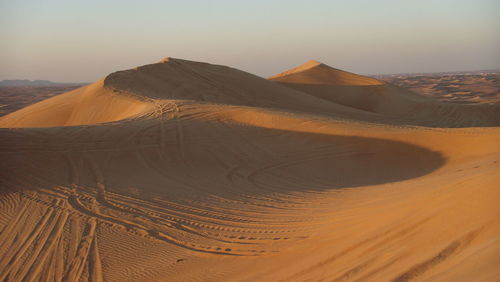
(314, 72)
(189, 171)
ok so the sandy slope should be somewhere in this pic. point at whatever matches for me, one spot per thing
(204, 172)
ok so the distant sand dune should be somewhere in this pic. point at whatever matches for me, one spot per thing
(187, 171)
(371, 95)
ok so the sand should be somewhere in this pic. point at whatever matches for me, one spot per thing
(188, 171)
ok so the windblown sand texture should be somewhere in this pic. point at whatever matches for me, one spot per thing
(188, 171)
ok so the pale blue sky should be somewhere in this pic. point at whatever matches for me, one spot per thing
(69, 40)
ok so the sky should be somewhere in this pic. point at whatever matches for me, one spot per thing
(81, 41)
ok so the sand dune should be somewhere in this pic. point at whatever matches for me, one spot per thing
(187, 171)
(151, 89)
(314, 72)
(372, 95)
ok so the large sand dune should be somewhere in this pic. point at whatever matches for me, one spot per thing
(187, 171)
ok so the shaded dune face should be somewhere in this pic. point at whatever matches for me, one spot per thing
(282, 161)
(181, 80)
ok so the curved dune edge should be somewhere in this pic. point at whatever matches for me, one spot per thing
(189, 186)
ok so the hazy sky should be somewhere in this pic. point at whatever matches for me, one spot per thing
(69, 40)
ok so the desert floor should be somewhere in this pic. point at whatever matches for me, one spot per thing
(480, 87)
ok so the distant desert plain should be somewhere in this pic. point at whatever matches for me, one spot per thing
(189, 171)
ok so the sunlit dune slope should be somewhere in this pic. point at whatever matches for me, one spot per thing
(187, 171)
(371, 95)
(90, 104)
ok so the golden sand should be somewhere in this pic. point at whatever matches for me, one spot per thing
(188, 171)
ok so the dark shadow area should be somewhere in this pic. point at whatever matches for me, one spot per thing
(400, 105)
(186, 160)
